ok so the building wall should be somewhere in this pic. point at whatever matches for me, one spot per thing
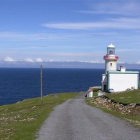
(104, 78)
(110, 65)
(104, 81)
(139, 82)
(120, 82)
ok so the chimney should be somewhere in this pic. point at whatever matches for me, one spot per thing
(122, 68)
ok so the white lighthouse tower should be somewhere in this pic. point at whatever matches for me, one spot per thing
(117, 80)
(110, 59)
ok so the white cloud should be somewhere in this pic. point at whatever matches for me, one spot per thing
(28, 60)
(111, 12)
(39, 60)
(103, 12)
(118, 23)
(9, 59)
(30, 36)
(50, 60)
(67, 61)
(121, 7)
(96, 61)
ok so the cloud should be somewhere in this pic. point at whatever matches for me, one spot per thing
(96, 61)
(122, 7)
(9, 59)
(102, 12)
(50, 60)
(72, 61)
(29, 36)
(23, 62)
(118, 23)
(28, 60)
(39, 60)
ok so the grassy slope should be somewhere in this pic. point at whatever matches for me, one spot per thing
(115, 113)
(21, 121)
(126, 97)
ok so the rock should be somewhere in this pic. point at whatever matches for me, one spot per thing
(132, 109)
(132, 105)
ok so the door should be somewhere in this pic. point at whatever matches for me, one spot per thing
(105, 87)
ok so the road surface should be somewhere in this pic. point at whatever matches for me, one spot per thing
(75, 120)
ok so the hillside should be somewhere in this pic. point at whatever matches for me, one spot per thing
(124, 104)
(20, 121)
(126, 97)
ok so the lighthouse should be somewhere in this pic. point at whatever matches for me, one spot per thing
(110, 59)
(117, 80)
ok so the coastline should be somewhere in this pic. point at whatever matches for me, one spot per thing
(25, 118)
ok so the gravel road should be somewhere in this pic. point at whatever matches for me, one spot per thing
(75, 120)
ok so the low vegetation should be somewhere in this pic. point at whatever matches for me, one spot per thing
(131, 119)
(95, 94)
(126, 97)
(21, 121)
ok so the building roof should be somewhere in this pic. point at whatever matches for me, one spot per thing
(126, 72)
(111, 46)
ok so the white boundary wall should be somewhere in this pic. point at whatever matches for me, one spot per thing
(120, 82)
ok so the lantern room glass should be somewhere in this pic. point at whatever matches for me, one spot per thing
(110, 51)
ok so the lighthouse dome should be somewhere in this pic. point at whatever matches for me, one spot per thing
(111, 46)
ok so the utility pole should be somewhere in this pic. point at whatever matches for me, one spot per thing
(41, 76)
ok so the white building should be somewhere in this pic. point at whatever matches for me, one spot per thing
(117, 80)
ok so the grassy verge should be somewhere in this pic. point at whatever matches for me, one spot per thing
(21, 121)
(115, 113)
(95, 94)
(126, 97)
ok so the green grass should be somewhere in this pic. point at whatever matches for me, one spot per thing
(126, 97)
(123, 97)
(95, 94)
(21, 121)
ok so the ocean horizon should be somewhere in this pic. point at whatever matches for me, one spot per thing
(17, 84)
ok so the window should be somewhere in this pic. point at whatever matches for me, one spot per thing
(110, 52)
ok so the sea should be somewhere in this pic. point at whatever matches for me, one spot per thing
(17, 84)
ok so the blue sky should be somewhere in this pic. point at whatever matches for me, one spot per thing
(36, 31)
